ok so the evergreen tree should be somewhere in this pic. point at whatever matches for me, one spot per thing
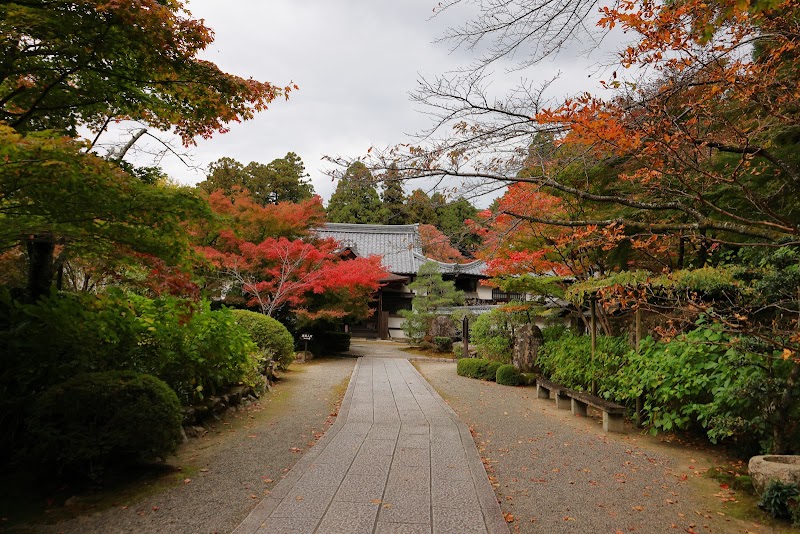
(420, 209)
(356, 199)
(451, 217)
(431, 293)
(282, 180)
(393, 198)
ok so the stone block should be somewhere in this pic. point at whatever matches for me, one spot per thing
(579, 408)
(542, 392)
(405, 507)
(563, 402)
(349, 517)
(613, 422)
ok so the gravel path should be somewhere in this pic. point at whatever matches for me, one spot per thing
(242, 458)
(556, 472)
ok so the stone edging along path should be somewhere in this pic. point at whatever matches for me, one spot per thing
(397, 458)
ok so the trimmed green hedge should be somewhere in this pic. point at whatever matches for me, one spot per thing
(95, 420)
(489, 371)
(477, 368)
(470, 367)
(270, 335)
(508, 375)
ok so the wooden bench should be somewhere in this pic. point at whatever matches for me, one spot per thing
(578, 402)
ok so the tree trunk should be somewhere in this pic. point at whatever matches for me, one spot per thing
(41, 249)
(780, 444)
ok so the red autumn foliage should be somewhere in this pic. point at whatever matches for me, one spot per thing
(261, 249)
(437, 246)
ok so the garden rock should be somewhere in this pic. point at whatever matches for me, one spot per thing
(526, 348)
(303, 356)
(442, 326)
(785, 468)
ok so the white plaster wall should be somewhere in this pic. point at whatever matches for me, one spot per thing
(396, 328)
(484, 292)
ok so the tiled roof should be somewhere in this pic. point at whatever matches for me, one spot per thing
(399, 246)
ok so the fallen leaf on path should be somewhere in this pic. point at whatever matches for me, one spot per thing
(295, 449)
(509, 518)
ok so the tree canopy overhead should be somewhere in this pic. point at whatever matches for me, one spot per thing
(70, 63)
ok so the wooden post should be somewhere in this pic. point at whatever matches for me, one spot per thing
(465, 337)
(593, 315)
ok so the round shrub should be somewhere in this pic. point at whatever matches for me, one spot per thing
(270, 335)
(528, 379)
(489, 370)
(508, 375)
(86, 423)
(443, 344)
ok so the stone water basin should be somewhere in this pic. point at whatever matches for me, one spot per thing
(785, 468)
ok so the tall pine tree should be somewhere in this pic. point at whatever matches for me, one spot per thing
(356, 199)
(393, 197)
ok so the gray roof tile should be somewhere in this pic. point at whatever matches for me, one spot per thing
(399, 246)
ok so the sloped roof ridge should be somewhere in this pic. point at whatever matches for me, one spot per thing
(448, 264)
(373, 228)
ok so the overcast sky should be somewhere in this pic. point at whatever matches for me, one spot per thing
(355, 63)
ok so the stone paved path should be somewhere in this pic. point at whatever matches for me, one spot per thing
(397, 460)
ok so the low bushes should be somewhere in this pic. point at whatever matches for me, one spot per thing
(480, 368)
(274, 340)
(471, 367)
(443, 344)
(185, 344)
(508, 375)
(96, 419)
(705, 380)
(566, 358)
(492, 334)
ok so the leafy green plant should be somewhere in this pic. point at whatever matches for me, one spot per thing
(567, 359)
(272, 338)
(195, 351)
(780, 499)
(96, 419)
(493, 333)
(553, 333)
(508, 375)
(703, 380)
(443, 344)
